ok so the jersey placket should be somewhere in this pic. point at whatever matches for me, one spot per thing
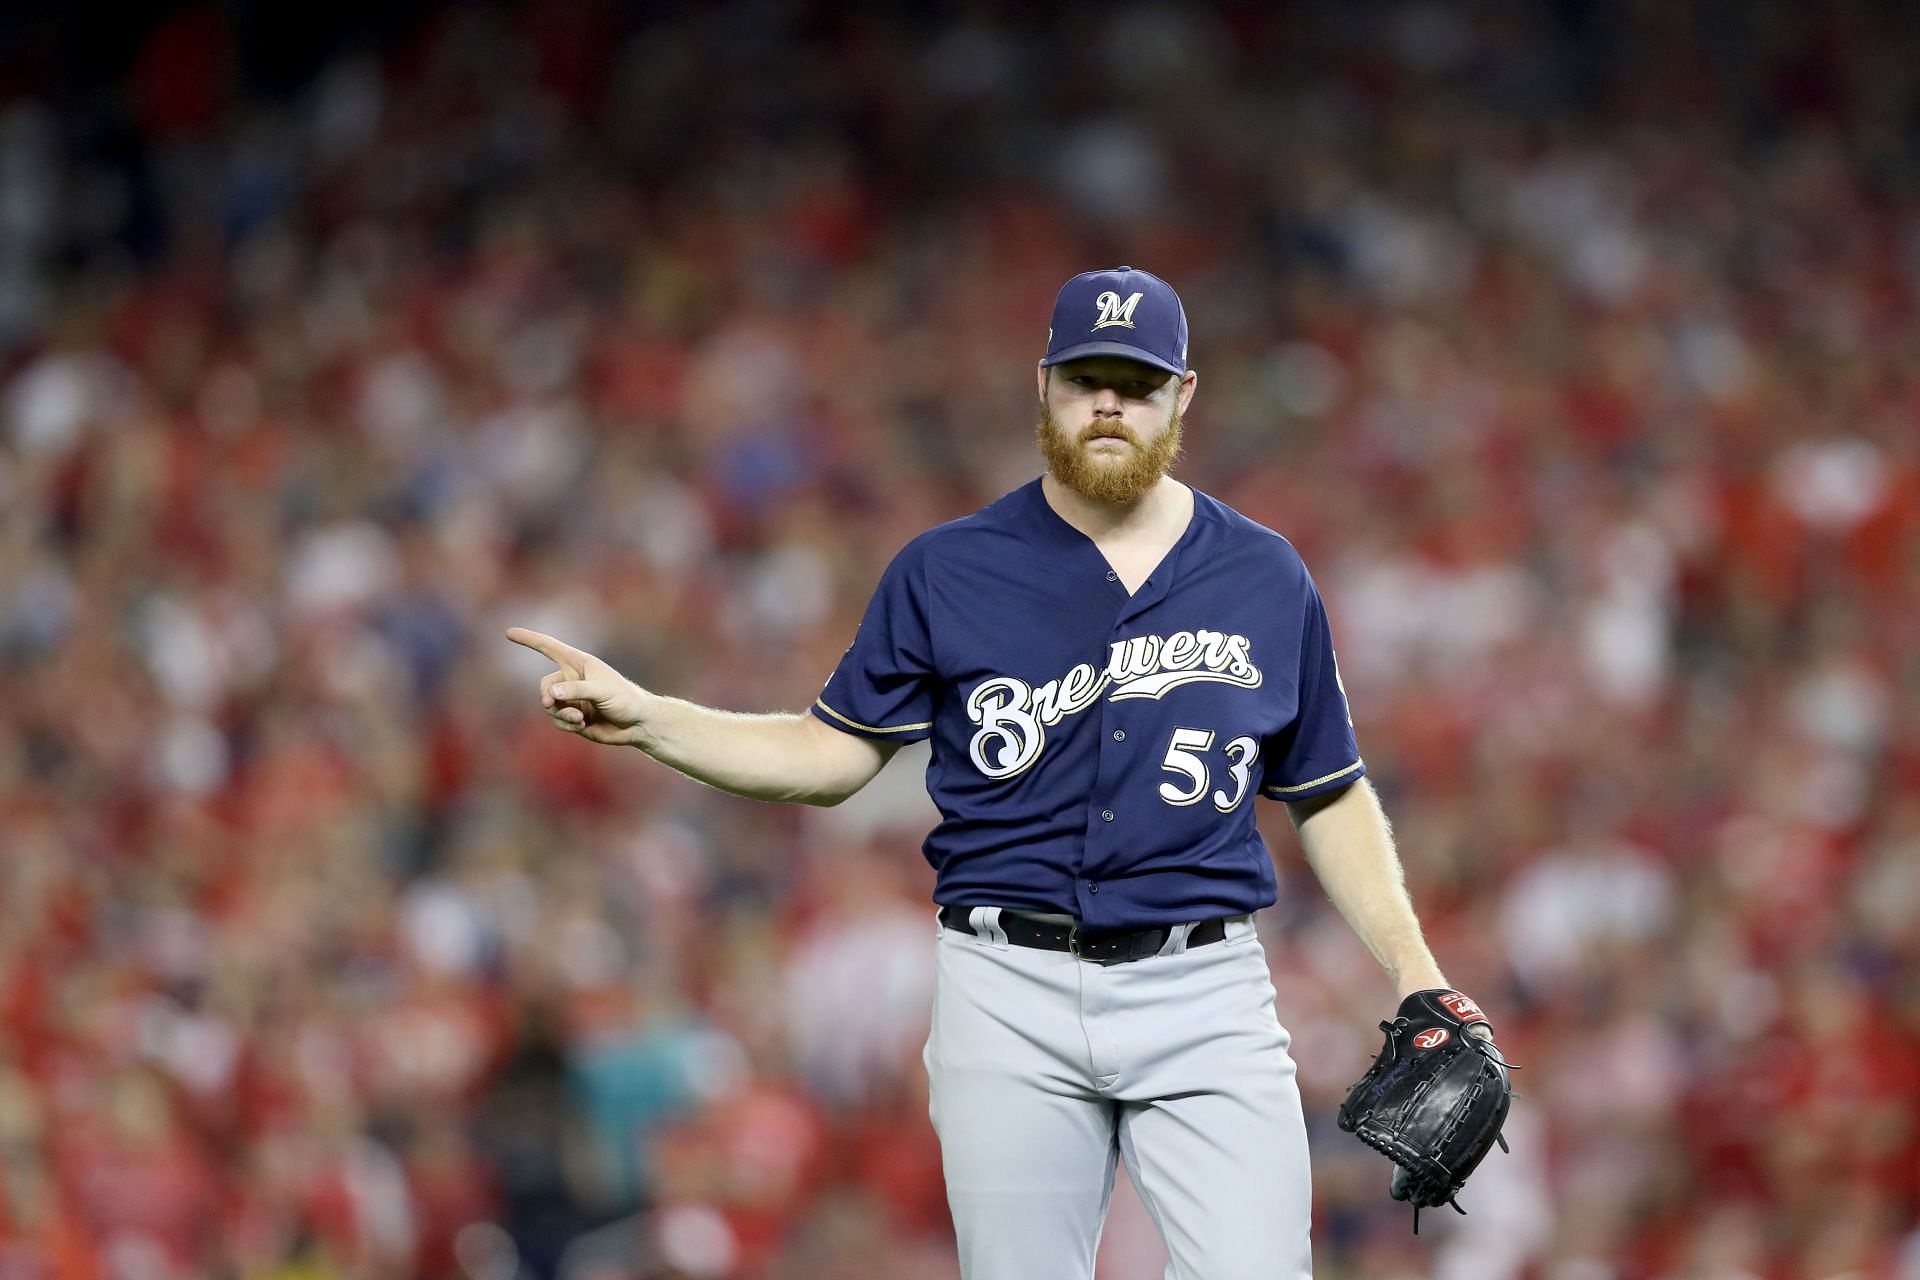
(1108, 810)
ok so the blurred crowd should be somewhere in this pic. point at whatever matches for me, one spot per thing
(1574, 345)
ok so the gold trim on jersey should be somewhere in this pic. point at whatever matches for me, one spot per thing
(1280, 791)
(868, 728)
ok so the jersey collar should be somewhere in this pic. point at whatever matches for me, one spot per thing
(1080, 549)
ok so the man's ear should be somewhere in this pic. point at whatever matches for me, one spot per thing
(1188, 382)
(1041, 373)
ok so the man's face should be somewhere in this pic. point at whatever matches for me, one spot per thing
(1110, 427)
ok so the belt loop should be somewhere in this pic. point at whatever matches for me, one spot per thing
(986, 927)
(1176, 942)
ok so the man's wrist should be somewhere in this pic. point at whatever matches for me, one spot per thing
(640, 733)
(1426, 977)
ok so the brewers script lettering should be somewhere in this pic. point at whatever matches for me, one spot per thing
(1014, 716)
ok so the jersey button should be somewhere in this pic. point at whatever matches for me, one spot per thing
(1092, 887)
(1112, 576)
(1119, 735)
(1106, 815)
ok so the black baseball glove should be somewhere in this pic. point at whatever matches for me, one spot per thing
(1434, 1099)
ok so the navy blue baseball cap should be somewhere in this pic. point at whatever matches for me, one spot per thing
(1123, 312)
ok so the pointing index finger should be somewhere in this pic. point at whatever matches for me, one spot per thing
(563, 655)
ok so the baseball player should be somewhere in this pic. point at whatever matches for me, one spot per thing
(1111, 666)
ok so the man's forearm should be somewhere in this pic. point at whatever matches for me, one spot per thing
(779, 757)
(1349, 844)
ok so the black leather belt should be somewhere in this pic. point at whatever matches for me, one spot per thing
(1102, 946)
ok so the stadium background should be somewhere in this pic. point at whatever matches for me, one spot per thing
(1573, 343)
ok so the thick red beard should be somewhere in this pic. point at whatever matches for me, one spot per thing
(1067, 460)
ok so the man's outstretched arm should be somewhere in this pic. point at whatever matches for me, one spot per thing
(1349, 844)
(780, 757)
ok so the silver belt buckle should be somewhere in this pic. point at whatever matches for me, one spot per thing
(1073, 941)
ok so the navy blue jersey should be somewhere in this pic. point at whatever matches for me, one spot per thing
(1097, 754)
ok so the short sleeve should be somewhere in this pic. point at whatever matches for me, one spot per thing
(884, 686)
(1316, 752)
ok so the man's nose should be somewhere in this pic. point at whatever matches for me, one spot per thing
(1106, 401)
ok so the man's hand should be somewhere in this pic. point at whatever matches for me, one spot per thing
(586, 696)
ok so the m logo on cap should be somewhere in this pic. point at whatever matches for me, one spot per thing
(1115, 312)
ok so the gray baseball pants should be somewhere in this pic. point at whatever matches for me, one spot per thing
(1047, 1069)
